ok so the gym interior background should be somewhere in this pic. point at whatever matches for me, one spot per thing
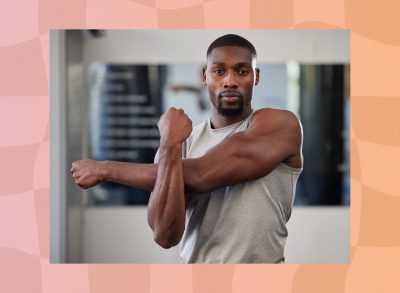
(108, 89)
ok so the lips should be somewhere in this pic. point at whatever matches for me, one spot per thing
(230, 97)
(230, 94)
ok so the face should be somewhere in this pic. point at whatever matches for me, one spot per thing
(230, 76)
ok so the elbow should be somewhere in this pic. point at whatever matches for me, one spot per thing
(195, 181)
(170, 235)
(166, 239)
(201, 183)
(165, 242)
(166, 232)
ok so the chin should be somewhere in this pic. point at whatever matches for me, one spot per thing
(230, 112)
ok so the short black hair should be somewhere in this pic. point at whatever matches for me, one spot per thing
(232, 40)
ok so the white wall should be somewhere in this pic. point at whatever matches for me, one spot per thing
(318, 235)
(190, 46)
(121, 235)
(57, 148)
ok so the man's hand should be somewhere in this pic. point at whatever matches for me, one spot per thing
(175, 126)
(87, 173)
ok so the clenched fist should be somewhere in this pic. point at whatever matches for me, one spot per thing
(175, 127)
(87, 173)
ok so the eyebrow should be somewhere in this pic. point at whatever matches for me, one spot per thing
(238, 64)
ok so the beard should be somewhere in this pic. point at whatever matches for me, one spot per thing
(230, 112)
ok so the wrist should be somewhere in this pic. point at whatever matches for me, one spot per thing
(104, 170)
(170, 144)
(171, 148)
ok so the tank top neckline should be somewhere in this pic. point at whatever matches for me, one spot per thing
(228, 127)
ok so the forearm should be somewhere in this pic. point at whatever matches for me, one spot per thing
(141, 176)
(144, 176)
(196, 177)
(166, 210)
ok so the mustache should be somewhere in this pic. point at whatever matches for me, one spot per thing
(230, 94)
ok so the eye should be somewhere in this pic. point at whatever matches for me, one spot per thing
(243, 71)
(218, 71)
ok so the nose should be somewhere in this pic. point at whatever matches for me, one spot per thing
(230, 80)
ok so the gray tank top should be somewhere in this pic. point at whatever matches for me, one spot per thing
(242, 223)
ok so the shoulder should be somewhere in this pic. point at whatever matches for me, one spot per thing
(281, 130)
(268, 119)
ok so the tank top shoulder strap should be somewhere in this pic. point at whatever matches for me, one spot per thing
(245, 123)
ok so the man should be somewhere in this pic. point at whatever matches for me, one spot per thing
(229, 199)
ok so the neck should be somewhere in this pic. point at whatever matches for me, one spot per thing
(219, 121)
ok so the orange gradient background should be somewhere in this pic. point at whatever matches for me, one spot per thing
(24, 145)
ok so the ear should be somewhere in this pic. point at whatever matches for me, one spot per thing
(257, 76)
(204, 74)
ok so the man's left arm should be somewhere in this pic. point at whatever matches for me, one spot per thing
(273, 137)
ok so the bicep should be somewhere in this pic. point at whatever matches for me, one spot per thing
(244, 156)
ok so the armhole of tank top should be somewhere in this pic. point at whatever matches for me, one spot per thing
(249, 119)
(184, 149)
(290, 168)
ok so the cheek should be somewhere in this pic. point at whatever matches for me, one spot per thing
(212, 85)
(211, 90)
